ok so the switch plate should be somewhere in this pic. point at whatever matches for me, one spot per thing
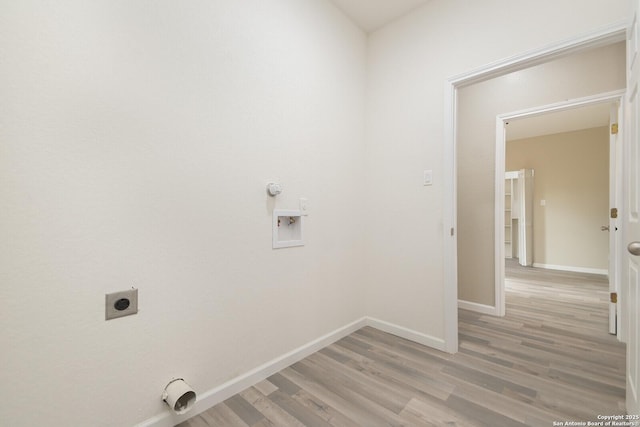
(304, 206)
(428, 177)
(120, 304)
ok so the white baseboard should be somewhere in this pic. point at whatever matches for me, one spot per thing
(479, 308)
(218, 394)
(410, 334)
(601, 271)
(224, 391)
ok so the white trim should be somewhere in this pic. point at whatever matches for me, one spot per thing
(600, 37)
(616, 115)
(499, 299)
(600, 98)
(224, 391)
(212, 397)
(410, 334)
(450, 221)
(511, 175)
(610, 34)
(478, 308)
(602, 271)
(501, 119)
(619, 223)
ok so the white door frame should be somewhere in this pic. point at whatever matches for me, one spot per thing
(602, 37)
(501, 120)
(617, 311)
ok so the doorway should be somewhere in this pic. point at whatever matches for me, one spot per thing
(607, 36)
(585, 207)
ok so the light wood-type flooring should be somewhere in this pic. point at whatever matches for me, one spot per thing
(550, 359)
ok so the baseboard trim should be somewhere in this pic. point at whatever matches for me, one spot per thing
(409, 334)
(601, 271)
(224, 391)
(478, 308)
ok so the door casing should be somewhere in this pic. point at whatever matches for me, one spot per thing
(605, 36)
(615, 175)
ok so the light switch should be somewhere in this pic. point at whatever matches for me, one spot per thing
(428, 177)
(543, 203)
(304, 206)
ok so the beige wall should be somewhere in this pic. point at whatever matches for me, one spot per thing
(596, 71)
(572, 177)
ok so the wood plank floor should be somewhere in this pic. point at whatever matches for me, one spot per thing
(550, 359)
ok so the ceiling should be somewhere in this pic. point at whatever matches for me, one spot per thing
(373, 14)
(564, 121)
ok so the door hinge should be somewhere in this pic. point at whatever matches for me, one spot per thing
(614, 212)
(614, 297)
(614, 129)
(452, 231)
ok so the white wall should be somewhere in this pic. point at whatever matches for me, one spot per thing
(582, 74)
(572, 177)
(136, 140)
(410, 61)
